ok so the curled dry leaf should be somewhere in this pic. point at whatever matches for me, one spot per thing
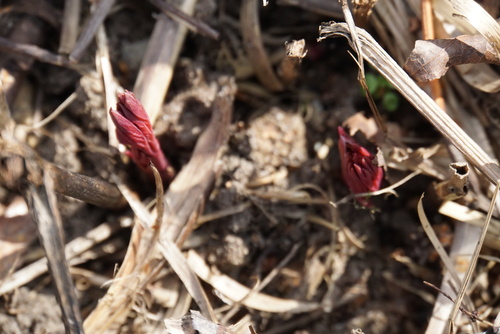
(458, 184)
(289, 67)
(431, 59)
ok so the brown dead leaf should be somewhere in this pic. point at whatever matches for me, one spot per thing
(359, 122)
(431, 59)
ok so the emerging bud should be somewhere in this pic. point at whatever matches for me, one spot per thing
(134, 130)
(358, 170)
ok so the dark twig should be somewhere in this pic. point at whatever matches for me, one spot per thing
(43, 209)
(472, 315)
(33, 51)
(87, 189)
(192, 23)
(89, 30)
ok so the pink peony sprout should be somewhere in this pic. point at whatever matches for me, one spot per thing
(358, 169)
(134, 130)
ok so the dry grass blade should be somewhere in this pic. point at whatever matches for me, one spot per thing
(187, 192)
(195, 180)
(56, 112)
(179, 264)
(74, 248)
(383, 63)
(133, 275)
(473, 217)
(223, 213)
(236, 292)
(479, 19)
(100, 12)
(436, 243)
(158, 63)
(472, 315)
(361, 74)
(465, 237)
(33, 51)
(42, 203)
(105, 69)
(475, 256)
(192, 23)
(254, 47)
(462, 247)
(70, 23)
(262, 284)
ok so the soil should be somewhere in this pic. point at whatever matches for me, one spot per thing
(280, 167)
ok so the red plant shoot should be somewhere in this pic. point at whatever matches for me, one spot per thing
(358, 170)
(133, 129)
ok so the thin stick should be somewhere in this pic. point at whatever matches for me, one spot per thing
(43, 209)
(265, 282)
(70, 23)
(158, 63)
(356, 45)
(192, 23)
(438, 247)
(472, 315)
(73, 249)
(475, 256)
(33, 51)
(428, 32)
(70, 99)
(389, 189)
(84, 188)
(100, 12)
(103, 63)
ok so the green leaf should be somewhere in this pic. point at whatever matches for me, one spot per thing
(372, 82)
(390, 101)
